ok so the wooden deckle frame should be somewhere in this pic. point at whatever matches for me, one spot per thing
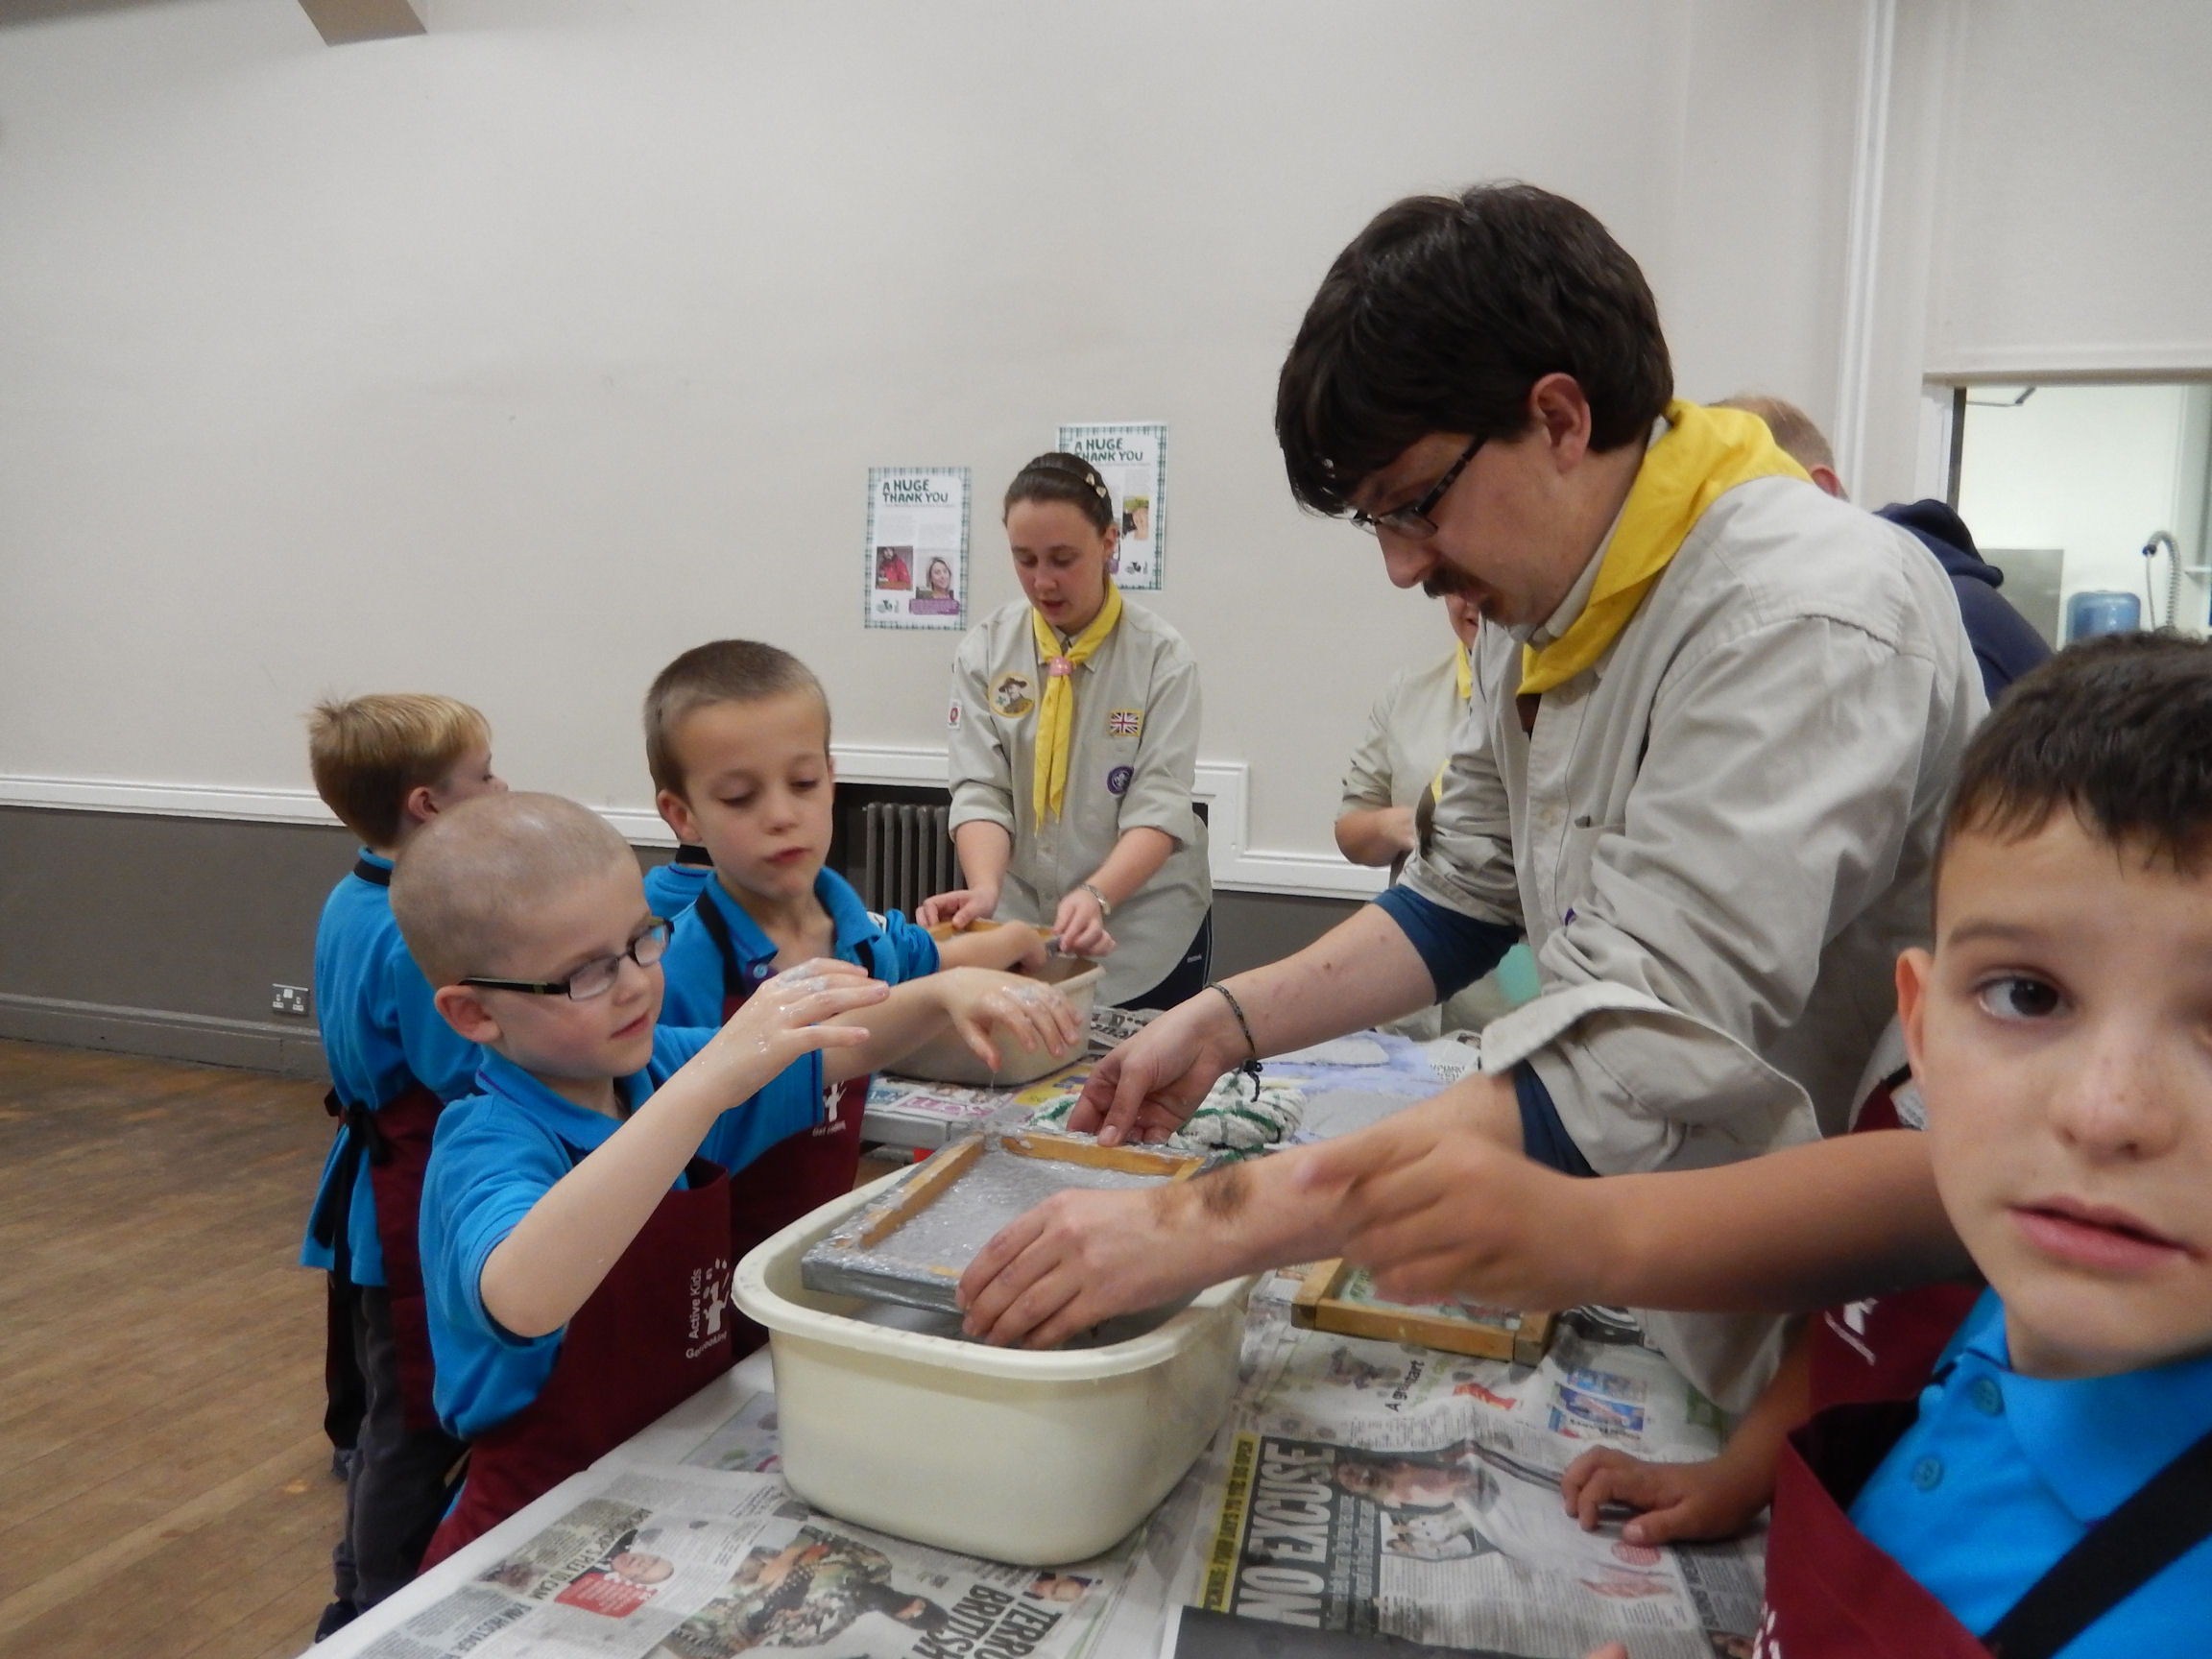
(1488, 1333)
(847, 1262)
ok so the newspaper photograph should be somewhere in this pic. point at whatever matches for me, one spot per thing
(653, 1566)
(914, 569)
(1377, 1488)
(1132, 459)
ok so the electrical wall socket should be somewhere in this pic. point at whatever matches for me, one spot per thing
(291, 1000)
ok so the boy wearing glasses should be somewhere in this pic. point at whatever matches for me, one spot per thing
(576, 1220)
(386, 765)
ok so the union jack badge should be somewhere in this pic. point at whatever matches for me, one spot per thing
(1125, 722)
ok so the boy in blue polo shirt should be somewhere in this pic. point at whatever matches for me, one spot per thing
(577, 1239)
(737, 739)
(386, 765)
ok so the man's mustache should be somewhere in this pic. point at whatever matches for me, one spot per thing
(1445, 580)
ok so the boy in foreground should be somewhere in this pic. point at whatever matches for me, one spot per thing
(386, 765)
(737, 739)
(576, 1223)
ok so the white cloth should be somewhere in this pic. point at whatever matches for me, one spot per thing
(1132, 764)
(1717, 838)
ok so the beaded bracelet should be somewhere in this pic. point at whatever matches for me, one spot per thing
(1251, 1065)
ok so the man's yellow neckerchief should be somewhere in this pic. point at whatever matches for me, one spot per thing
(1056, 719)
(1704, 453)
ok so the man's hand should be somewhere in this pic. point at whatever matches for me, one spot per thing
(1439, 1201)
(958, 908)
(1715, 1497)
(1145, 1089)
(1078, 1257)
(983, 1000)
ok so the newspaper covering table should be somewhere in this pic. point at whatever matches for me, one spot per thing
(1383, 1489)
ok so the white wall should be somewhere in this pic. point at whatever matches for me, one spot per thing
(2074, 230)
(512, 359)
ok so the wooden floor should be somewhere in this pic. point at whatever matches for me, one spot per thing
(165, 1487)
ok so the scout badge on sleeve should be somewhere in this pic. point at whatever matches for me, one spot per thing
(1125, 722)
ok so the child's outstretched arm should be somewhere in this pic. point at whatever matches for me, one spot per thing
(1007, 947)
(975, 1001)
(1433, 1202)
(1715, 1497)
(537, 1276)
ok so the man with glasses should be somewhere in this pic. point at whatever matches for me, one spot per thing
(1722, 717)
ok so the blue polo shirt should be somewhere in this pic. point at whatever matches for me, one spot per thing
(380, 1033)
(898, 949)
(2002, 1473)
(671, 888)
(495, 1155)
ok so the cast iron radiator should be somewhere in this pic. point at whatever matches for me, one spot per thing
(905, 856)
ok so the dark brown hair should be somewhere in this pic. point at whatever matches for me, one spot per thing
(720, 671)
(1442, 314)
(1059, 477)
(2119, 729)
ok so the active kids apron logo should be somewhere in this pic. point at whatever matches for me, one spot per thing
(1014, 695)
(1125, 722)
(709, 1301)
(1118, 780)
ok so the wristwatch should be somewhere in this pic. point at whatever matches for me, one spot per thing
(1105, 905)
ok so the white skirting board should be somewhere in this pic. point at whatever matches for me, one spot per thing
(1222, 786)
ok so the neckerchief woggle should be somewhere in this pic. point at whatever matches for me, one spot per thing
(1704, 453)
(1056, 719)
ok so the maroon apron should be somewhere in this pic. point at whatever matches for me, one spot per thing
(1883, 1348)
(659, 1328)
(393, 1139)
(1830, 1593)
(803, 1171)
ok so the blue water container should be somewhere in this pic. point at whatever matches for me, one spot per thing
(2103, 613)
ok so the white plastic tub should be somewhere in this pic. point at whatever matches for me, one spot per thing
(1042, 1459)
(946, 1059)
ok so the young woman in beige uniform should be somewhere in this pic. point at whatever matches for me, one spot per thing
(1074, 746)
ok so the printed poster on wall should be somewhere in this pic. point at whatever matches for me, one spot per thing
(1131, 458)
(915, 571)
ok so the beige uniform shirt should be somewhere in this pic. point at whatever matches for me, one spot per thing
(1717, 838)
(1412, 727)
(1134, 759)
(1410, 731)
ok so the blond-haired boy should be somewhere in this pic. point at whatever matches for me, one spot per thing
(737, 740)
(386, 765)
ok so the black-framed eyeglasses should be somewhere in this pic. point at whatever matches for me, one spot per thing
(597, 976)
(1414, 521)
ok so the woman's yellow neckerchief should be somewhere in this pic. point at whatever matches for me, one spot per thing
(1056, 719)
(1462, 675)
(1704, 453)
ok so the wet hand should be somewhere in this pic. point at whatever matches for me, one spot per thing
(990, 1009)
